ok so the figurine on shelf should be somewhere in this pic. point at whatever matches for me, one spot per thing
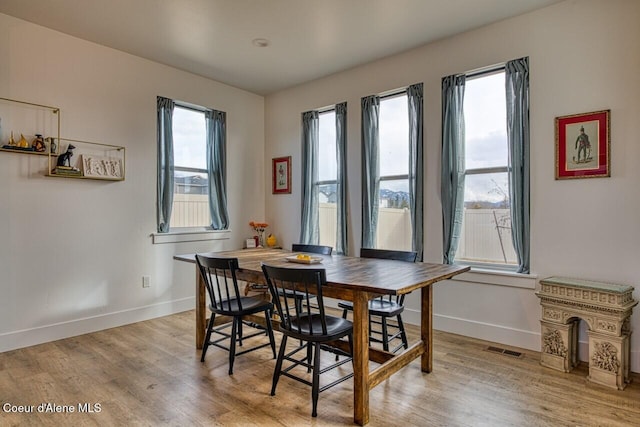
(38, 144)
(23, 143)
(11, 140)
(66, 156)
(52, 144)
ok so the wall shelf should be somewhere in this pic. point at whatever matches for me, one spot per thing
(28, 119)
(35, 153)
(90, 160)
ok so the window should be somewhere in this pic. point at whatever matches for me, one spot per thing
(394, 229)
(486, 226)
(191, 187)
(324, 178)
(191, 184)
(327, 178)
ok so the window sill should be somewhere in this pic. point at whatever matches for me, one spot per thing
(498, 278)
(190, 236)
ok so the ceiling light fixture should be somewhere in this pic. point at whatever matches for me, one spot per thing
(260, 42)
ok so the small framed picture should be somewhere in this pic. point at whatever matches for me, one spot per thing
(281, 168)
(582, 145)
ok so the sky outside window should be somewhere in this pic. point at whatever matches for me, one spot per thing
(485, 115)
(394, 136)
(327, 166)
(189, 139)
(394, 142)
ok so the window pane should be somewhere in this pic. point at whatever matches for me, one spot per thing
(485, 116)
(486, 225)
(327, 168)
(394, 136)
(189, 139)
(487, 190)
(191, 189)
(327, 171)
(327, 214)
(190, 200)
(394, 217)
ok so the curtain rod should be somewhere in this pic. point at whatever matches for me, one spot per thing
(485, 71)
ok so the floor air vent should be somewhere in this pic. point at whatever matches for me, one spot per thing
(504, 351)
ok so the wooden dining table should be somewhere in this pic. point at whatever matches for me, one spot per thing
(358, 280)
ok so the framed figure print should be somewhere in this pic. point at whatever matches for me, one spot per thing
(582, 145)
(281, 175)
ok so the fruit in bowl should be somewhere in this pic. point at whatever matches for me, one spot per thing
(304, 257)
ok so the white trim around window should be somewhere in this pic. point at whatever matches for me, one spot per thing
(190, 235)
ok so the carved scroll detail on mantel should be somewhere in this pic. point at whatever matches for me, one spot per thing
(605, 357)
(553, 344)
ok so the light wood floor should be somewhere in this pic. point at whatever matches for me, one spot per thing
(149, 373)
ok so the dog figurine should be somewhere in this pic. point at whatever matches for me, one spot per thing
(66, 157)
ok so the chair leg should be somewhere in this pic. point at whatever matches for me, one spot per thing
(315, 390)
(309, 356)
(403, 334)
(278, 368)
(232, 343)
(272, 339)
(240, 331)
(385, 334)
(207, 338)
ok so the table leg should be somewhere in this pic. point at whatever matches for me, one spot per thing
(201, 312)
(426, 328)
(361, 358)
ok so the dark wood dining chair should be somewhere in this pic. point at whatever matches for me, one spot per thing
(385, 307)
(314, 249)
(219, 275)
(309, 324)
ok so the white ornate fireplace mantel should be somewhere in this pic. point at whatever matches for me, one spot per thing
(606, 309)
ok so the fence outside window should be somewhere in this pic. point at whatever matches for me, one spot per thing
(486, 235)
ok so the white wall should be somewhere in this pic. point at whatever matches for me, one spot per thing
(584, 56)
(73, 252)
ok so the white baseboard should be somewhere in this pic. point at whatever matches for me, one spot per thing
(53, 332)
(501, 334)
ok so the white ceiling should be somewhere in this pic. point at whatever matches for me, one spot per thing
(308, 39)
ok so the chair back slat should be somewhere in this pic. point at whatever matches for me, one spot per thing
(408, 256)
(219, 275)
(286, 286)
(314, 249)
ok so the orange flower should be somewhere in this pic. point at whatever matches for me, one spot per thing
(258, 226)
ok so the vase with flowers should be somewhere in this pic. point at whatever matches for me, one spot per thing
(259, 228)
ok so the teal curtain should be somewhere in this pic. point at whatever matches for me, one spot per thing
(416, 166)
(216, 126)
(370, 107)
(517, 92)
(453, 167)
(310, 229)
(164, 191)
(341, 187)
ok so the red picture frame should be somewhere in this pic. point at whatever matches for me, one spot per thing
(583, 146)
(281, 175)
